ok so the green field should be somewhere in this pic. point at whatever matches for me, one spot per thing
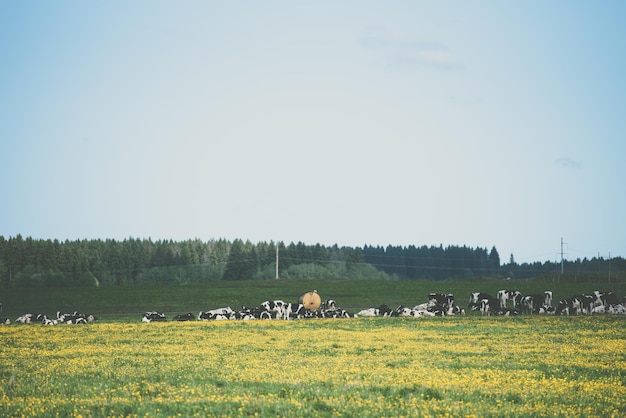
(129, 303)
(361, 367)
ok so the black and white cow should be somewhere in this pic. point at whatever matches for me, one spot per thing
(564, 307)
(153, 316)
(531, 303)
(505, 295)
(475, 298)
(25, 319)
(74, 318)
(382, 310)
(488, 306)
(212, 314)
(185, 317)
(329, 305)
(547, 298)
(277, 307)
(606, 299)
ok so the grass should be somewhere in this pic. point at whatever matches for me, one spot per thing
(129, 303)
(445, 366)
(451, 366)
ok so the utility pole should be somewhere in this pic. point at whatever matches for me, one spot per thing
(562, 255)
(609, 267)
(277, 261)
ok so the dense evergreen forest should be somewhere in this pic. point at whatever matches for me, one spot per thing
(51, 263)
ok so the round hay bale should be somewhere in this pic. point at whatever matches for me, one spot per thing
(311, 300)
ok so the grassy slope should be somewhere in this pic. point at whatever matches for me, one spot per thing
(123, 303)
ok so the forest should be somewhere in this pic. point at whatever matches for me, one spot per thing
(28, 262)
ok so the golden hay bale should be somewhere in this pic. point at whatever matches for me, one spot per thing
(311, 300)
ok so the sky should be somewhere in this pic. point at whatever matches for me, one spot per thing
(478, 123)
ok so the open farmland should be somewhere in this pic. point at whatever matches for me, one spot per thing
(447, 366)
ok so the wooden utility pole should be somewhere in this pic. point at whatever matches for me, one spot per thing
(277, 261)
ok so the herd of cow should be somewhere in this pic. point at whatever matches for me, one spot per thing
(270, 309)
(40, 318)
(506, 302)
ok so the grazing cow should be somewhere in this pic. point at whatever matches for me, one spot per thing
(606, 299)
(564, 307)
(383, 310)
(504, 295)
(475, 298)
(547, 298)
(46, 321)
(441, 299)
(488, 306)
(575, 305)
(293, 311)
(335, 313)
(277, 307)
(207, 315)
(531, 303)
(73, 318)
(587, 302)
(402, 311)
(515, 296)
(185, 317)
(369, 312)
(508, 312)
(600, 309)
(153, 316)
(24, 319)
(329, 305)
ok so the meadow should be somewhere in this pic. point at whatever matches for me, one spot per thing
(444, 366)
(451, 366)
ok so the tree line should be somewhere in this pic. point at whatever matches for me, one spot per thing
(27, 262)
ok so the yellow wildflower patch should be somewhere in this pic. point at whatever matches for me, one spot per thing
(540, 366)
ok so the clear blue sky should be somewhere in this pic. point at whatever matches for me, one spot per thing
(474, 123)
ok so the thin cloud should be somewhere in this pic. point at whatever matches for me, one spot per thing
(409, 52)
(569, 163)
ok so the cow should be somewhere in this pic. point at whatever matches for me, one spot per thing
(441, 299)
(74, 318)
(503, 296)
(46, 321)
(475, 298)
(586, 303)
(329, 305)
(277, 307)
(335, 313)
(531, 303)
(185, 317)
(206, 315)
(369, 312)
(547, 298)
(293, 310)
(153, 316)
(488, 306)
(606, 299)
(24, 319)
(382, 310)
(564, 307)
